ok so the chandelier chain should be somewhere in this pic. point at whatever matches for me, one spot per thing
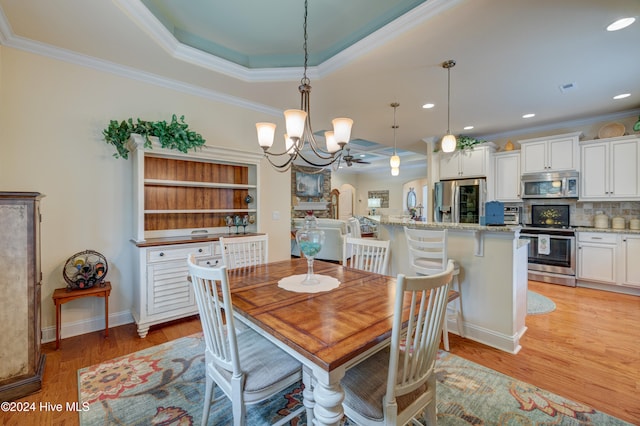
(305, 79)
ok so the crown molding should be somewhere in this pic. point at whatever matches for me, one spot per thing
(158, 32)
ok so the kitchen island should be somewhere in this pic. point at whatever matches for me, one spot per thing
(493, 276)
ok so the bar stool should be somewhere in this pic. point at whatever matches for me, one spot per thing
(428, 256)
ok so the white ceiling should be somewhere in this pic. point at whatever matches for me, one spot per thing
(512, 58)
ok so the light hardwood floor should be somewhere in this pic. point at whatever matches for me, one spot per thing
(587, 350)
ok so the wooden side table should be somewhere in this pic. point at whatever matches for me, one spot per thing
(64, 295)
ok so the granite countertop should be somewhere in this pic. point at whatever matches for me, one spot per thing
(606, 230)
(385, 220)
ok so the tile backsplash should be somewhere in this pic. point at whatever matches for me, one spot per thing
(582, 213)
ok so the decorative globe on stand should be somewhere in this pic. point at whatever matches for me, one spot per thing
(310, 239)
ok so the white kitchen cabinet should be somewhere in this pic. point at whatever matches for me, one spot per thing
(630, 264)
(507, 176)
(465, 163)
(550, 154)
(610, 169)
(597, 257)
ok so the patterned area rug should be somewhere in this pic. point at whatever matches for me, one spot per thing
(165, 385)
(538, 304)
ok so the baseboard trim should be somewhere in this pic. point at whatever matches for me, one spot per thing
(89, 325)
(510, 344)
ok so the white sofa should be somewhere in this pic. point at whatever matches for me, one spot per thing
(335, 231)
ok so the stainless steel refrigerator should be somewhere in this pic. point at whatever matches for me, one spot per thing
(459, 201)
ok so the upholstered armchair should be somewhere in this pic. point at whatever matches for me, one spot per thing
(335, 231)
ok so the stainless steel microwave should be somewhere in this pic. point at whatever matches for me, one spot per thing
(550, 185)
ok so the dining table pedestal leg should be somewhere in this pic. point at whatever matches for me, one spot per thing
(307, 393)
(328, 402)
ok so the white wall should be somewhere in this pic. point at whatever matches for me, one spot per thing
(51, 117)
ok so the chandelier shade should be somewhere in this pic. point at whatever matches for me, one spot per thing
(300, 141)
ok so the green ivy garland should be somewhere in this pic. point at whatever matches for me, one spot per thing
(464, 142)
(175, 135)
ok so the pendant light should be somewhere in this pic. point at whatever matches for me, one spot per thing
(394, 161)
(449, 142)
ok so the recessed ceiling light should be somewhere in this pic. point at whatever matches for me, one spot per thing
(620, 24)
(528, 115)
(468, 127)
(428, 106)
(622, 96)
(362, 155)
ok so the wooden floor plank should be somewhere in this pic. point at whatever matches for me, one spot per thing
(587, 350)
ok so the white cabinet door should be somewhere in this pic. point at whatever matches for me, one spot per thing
(631, 260)
(625, 173)
(464, 164)
(597, 257)
(534, 157)
(450, 165)
(550, 154)
(596, 262)
(507, 177)
(473, 162)
(610, 170)
(562, 154)
(168, 291)
(595, 171)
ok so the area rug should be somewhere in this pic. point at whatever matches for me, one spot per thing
(164, 385)
(538, 304)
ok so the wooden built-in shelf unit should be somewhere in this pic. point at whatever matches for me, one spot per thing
(179, 194)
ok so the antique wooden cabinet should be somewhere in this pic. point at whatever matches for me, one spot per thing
(21, 362)
(181, 206)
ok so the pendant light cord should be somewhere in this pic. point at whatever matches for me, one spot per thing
(448, 65)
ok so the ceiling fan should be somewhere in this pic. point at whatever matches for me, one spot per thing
(350, 159)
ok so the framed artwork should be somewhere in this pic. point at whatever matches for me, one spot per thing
(383, 195)
(309, 185)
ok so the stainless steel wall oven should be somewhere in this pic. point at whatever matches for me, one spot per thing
(552, 245)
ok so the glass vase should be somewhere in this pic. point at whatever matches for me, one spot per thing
(310, 239)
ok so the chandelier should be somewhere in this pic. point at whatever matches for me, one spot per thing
(394, 161)
(299, 132)
(449, 142)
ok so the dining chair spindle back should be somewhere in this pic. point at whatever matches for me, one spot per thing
(241, 252)
(427, 256)
(398, 383)
(247, 367)
(366, 254)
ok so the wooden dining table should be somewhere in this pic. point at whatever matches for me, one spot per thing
(326, 331)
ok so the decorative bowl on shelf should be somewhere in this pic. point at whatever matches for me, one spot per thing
(611, 130)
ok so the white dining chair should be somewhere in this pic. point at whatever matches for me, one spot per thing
(240, 252)
(366, 254)
(247, 367)
(427, 256)
(398, 383)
